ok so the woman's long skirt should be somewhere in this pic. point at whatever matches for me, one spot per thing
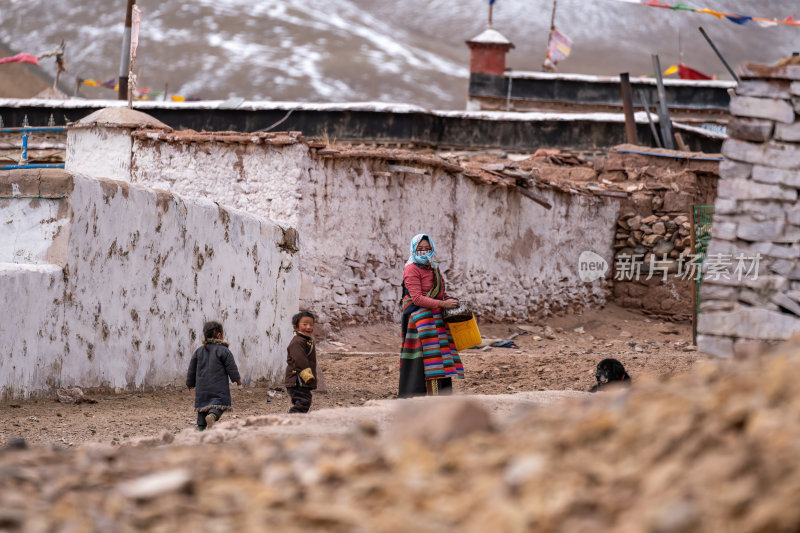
(428, 358)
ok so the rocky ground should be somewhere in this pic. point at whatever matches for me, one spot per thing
(695, 445)
(362, 364)
(712, 448)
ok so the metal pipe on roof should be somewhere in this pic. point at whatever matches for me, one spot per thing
(719, 55)
(663, 114)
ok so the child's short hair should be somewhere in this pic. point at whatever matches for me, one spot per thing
(302, 314)
(211, 328)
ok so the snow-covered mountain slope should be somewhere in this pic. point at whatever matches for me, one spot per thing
(352, 50)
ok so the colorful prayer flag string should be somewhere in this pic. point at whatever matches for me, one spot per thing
(140, 93)
(736, 18)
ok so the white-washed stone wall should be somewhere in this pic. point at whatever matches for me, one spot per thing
(141, 270)
(757, 212)
(100, 152)
(508, 255)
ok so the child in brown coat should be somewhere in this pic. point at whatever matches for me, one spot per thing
(301, 363)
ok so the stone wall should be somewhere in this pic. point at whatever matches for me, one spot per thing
(105, 284)
(654, 226)
(757, 216)
(356, 215)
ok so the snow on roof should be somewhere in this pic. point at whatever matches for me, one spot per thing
(549, 76)
(80, 103)
(119, 117)
(490, 36)
(374, 107)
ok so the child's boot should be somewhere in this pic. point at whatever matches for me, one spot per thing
(210, 419)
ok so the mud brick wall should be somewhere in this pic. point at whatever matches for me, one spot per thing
(757, 212)
(510, 257)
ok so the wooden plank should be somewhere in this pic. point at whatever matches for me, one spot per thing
(627, 107)
(535, 197)
(613, 194)
(681, 144)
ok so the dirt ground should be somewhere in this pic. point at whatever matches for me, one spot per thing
(362, 364)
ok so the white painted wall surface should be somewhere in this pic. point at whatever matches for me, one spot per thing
(144, 269)
(100, 152)
(29, 228)
(508, 255)
(258, 179)
(31, 325)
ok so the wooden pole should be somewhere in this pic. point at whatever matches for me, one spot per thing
(125, 59)
(491, 7)
(663, 109)
(550, 35)
(553, 16)
(694, 280)
(627, 106)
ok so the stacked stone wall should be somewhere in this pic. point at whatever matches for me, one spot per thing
(757, 220)
(653, 227)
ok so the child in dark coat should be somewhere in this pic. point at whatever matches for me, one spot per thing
(211, 367)
(301, 363)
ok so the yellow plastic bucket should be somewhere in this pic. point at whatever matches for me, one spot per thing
(465, 334)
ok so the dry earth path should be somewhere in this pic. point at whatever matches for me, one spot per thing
(360, 365)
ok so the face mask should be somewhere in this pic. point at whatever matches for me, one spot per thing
(425, 258)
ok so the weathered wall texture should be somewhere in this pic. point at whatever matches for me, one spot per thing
(123, 301)
(757, 212)
(506, 254)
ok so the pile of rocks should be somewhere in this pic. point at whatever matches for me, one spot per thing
(652, 264)
(666, 236)
(712, 451)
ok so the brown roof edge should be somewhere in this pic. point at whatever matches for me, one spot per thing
(46, 183)
(280, 138)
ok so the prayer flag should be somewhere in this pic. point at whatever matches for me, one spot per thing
(560, 46)
(21, 58)
(557, 50)
(671, 70)
(135, 31)
(733, 17)
(711, 12)
(765, 23)
(687, 73)
(739, 19)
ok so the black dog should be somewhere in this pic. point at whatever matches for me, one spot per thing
(610, 371)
